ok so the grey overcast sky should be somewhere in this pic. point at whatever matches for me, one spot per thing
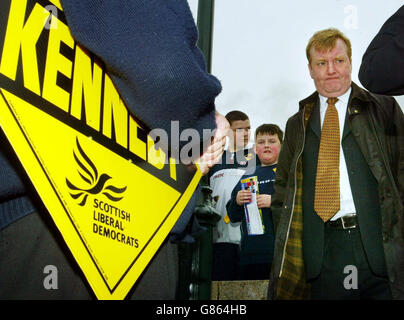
(259, 49)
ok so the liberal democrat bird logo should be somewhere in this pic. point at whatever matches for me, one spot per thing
(96, 184)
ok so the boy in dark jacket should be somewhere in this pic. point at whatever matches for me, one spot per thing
(257, 249)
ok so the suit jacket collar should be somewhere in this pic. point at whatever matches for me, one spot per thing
(357, 101)
(314, 121)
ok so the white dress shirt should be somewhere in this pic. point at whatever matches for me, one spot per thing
(346, 200)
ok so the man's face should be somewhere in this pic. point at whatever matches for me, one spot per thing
(331, 70)
(241, 133)
(267, 147)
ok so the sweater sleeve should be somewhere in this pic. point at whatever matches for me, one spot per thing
(149, 50)
(234, 211)
(383, 61)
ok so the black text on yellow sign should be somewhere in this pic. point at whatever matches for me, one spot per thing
(113, 196)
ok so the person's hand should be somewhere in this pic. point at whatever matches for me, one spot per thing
(243, 197)
(214, 152)
(264, 200)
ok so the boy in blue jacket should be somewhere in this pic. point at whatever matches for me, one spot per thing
(257, 249)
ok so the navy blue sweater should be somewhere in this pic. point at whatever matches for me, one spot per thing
(149, 50)
(382, 65)
(257, 249)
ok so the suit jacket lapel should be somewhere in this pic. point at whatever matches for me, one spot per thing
(347, 126)
(314, 121)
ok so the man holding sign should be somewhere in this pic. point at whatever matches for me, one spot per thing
(140, 70)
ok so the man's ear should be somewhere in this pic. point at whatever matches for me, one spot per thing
(254, 148)
(310, 70)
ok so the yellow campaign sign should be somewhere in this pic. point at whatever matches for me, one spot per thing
(112, 195)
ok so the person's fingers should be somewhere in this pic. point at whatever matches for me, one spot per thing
(214, 153)
(222, 126)
(246, 195)
(209, 159)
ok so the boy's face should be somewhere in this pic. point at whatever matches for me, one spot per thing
(241, 133)
(267, 147)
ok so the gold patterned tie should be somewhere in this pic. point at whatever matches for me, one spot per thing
(326, 198)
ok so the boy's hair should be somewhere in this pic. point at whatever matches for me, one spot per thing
(271, 129)
(236, 115)
(325, 40)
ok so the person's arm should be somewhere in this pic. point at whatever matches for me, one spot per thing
(396, 130)
(149, 50)
(388, 121)
(382, 65)
(400, 146)
(235, 210)
(214, 152)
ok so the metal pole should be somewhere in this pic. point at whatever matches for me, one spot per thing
(205, 27)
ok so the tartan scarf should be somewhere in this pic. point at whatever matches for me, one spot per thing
(292, 283)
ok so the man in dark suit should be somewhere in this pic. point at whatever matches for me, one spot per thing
(338, 194)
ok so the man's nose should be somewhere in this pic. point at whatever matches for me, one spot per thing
(330, 67)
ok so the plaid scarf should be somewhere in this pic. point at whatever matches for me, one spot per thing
(292, 282)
